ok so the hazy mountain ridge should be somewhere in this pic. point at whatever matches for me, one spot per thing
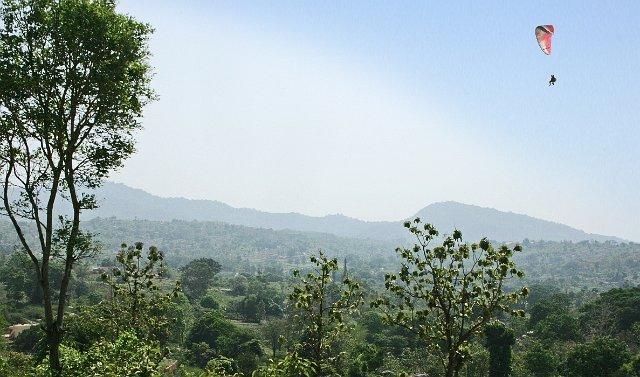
(120, 201)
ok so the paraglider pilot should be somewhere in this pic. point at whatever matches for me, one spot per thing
(552, 81)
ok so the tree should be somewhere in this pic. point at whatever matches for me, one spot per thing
(126, 356)
(18, 275)
(498, 340)
(365, 359)
(560, 326)
(197, 276)
(213, 335)
(74, 78)
(292, 365)
(251, 309)
(323, 318)
(540, 361)
(615, 311)
(555, 304)
(603, 356)
(210, 301)
(447, 294)
(138, 303)
(273, 331)
(222, 367)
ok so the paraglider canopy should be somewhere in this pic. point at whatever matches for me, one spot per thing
(543, 35)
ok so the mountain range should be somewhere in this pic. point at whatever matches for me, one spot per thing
(123, 202)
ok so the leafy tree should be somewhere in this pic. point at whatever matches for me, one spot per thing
(91, 324)
(271, 299)
(198, 276)
(555, 304)
(365, 359)
(74, 79)
(447, 294)
(213, 335)
(561, 326)
(19, 277)
(292, 365)
(613, 311)
(251, 309)
(127, 356)
(139, 305)
(540, 361)
(273, 331)
(180, 315)
(209, 302)
(323, 318)
(239, 285)
(479, 364)
(603, 356)
(498, 340)
(541, 291)
(222, 367)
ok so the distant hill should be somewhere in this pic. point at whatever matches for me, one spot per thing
(241, 249)
(476, 222)
(120, 201)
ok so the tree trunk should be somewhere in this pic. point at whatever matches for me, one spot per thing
(50, 325)
(453, 365)
(54, 338)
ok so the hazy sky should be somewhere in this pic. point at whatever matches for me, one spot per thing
(376, 109)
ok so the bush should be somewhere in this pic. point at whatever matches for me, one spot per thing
(210, 302)
(291, 366)
(213, 335)
(30, 340)
(15, 364)
(127, 356)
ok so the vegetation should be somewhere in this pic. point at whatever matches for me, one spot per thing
(322, 308)
(219, 300)
(448, 294)
(248, 323)
(74, 79)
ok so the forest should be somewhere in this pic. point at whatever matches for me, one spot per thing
(115, 297)
(258, 314)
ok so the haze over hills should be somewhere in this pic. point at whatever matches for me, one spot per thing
(120, 201)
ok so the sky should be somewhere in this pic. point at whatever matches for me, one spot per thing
(375, 109)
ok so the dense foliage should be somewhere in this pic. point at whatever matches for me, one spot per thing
(247, 322)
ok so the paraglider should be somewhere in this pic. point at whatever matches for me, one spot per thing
(544, 36)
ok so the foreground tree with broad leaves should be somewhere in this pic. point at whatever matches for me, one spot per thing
(74, 78)
(322, 310)
(138, 302)
(447, 294)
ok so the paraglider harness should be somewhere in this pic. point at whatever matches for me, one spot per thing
(552, 81)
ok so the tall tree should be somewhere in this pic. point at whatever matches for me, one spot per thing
(74, 78)
(498, 340)
(321, 312)
(448, 293)
(139, 304)
(197, 276)
(602, 356)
